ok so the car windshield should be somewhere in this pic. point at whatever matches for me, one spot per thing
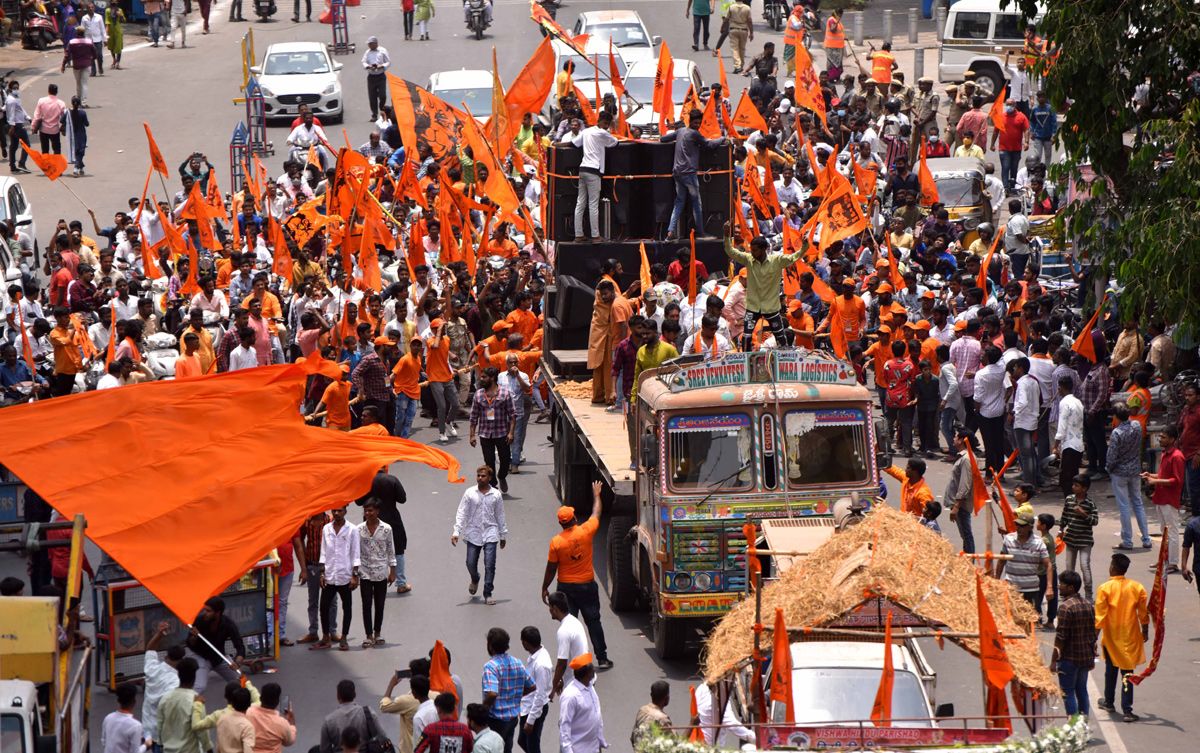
(12, 734)
(478, 101)
(844, 694)
(295, 63)
(826, 447)
(642, 89)
(585, 71)
(959, 191)
(622, 35)
(710, 452)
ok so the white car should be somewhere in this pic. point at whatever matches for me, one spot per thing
(639, 86)
(624, 28)
(463, 89)
(584, 74)
(296, 73)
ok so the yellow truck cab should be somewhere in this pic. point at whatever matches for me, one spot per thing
(722, 443)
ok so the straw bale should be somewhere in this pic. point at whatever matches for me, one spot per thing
(913, 565)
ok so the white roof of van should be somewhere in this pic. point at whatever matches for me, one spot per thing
(992, 6)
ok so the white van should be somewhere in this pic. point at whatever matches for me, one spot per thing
(978, 34)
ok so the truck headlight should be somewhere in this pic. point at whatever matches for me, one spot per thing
(703, 581)
(683, 582)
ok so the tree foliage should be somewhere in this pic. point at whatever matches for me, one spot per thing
(1141, 217)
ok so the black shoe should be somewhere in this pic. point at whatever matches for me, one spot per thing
(1130, 718)
(504, 486)
(604, 663)
(1105, 706)
(696, 48)
(295, 19)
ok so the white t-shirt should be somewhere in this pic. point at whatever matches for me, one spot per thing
(425, 715)
(1018, 224)
(242, 357)
(572, 642)
(107, 382)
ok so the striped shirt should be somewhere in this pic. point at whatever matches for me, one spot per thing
(1077, 529)
(1022, 569)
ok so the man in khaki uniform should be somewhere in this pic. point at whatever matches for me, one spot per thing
(741, 30)
(959, 104)
(924, 116)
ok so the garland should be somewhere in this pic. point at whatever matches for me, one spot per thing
(1072, 737)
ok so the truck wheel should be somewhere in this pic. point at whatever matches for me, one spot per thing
(670, 636)
(989, 81)
(622, 586)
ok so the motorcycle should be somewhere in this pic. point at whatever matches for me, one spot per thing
(775, 12)
(39, 32)
(264, 9)
(479, 21)
(812, 14)
(161, 354)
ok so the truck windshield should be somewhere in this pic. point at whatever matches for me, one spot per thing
(843, 694)
(707, 451)
(826, 447)
(12, 734)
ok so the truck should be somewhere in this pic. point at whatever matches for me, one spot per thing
(713, 444)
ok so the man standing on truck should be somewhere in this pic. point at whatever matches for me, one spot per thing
(652, 354)
(570, 559)
(601, 343)
(763, 275)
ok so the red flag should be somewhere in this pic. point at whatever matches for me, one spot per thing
(747, 115)
(1083, 344)
(929, 192)
(1157, 609)
(992, 655)
(53, 165)
(996, 114)
(979, 486)
(692, 272)
(156, 159)
(663, 104)
(781, 668)
(881, 711)
(981, 281)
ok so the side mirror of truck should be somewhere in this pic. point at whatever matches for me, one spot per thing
(649, 453)
(883, 460)
(944, 711)
(45, 744)
(883, 455)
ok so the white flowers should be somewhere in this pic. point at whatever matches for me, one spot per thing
(1071, 737)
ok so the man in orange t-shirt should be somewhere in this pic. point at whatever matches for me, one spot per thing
(441, 380)
(881, 353)
(336, 403)
(497, 342)
(370, 423)
(523, 321)
(406, 381)
(188, 363)
(847, 311)
(571, 560)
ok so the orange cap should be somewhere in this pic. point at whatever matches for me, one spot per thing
(581, 661)
(794, 305)
(499, 326)
(381, 340)
(566, 514)
(884, 329)
(928, 294)
(884, 287)
(436, 323)
(923, 324)
(960, 326)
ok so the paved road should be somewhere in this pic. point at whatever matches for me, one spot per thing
(185, 95)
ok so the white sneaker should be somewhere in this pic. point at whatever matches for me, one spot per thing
(443, 438)
(453, 430)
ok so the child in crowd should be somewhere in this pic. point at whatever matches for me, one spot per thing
(1047, 578)
(1079, 517)
(933, 509)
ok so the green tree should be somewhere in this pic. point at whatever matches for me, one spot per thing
(1141, 217)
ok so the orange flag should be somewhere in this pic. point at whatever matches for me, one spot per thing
(743, 226)
(214, 199)
(840, 214)
(264, 467)
(196, 208)
(614, 75)
(497, 188)
(663, 104)
(368, 257)
(26, 348)
(996, 114)
(808, 87)
(692, 272)
(697, 734)
(53, 165)
(747, 115)
(440, 678)
(837, 332)
(992, 655)
(979, 487)
(865, 180)
(281, 263)
(407, 185)
(644, 271)
(724, 80)
(897, 279)
(1010, 520)
(981, 281)
(929, 192)
(181, 246)
(996, 705)
(881, 712)
(781, 669)
(499, 130)
(769, 187)
(585, 106)
(710, 126)
(529, 89)
(112, 337)
(757, 198)
(1083, 344)
(156, 159)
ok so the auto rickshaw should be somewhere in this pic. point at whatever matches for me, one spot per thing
(960, 188)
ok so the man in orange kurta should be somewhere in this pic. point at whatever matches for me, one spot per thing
(601, 343)
(1122, 615)
(914, 492)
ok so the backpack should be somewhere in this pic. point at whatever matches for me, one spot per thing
(377, 741)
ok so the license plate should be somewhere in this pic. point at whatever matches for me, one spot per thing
(290, 110)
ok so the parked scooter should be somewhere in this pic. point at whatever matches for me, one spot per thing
(39, 32)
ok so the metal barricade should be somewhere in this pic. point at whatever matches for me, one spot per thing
(127, 615)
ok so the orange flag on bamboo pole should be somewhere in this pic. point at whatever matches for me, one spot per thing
(112, 336)
(1083, 344)
(196, 208)
(710, 124)
(281, 261)
(992, 655)
(996, 114)
(981, 281)
(644, 271)
(881, 711)
(663, 103)
(53, 165)
(156, 159)
(1006, 512)
(929, 192)
(979, 491)
(781, 669)
(747, 115)
(723, 78)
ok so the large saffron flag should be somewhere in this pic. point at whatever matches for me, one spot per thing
(223, 466)
(53, 165)
(664, 76)
(424, 120)
(840, 214)
(1157, 607)
(532, 85)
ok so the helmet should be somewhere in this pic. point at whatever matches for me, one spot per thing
(892, 104)
(985, 228)
(1031, 162)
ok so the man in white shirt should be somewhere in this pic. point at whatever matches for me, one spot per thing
(571, 639)
(594, 141)
(1020, 88)
(340, 546)
(705, 715)
(375, 62)
(480, 523)
(1068, 438)
(580, 724)
(211, 299)
(122, 732)
(1027, 400)
(535, 706)
(708, 341)
(244, 355)
(995, 188)
(787, 188)
(1016, 239)
(989, 406)
(96, 32)
(112, 378)
(161, 677)
(308, 134)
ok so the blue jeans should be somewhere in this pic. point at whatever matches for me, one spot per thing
(1111, 672)
(687, 186)
(285, 590)
(532, 743)
(406, 411)
(1031, 471)
(1009, 164)
(964, 527)
(156, 20)
(947, 421)
(1073, 681)
(489, 565)
(401, 581)
(1128, 490)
